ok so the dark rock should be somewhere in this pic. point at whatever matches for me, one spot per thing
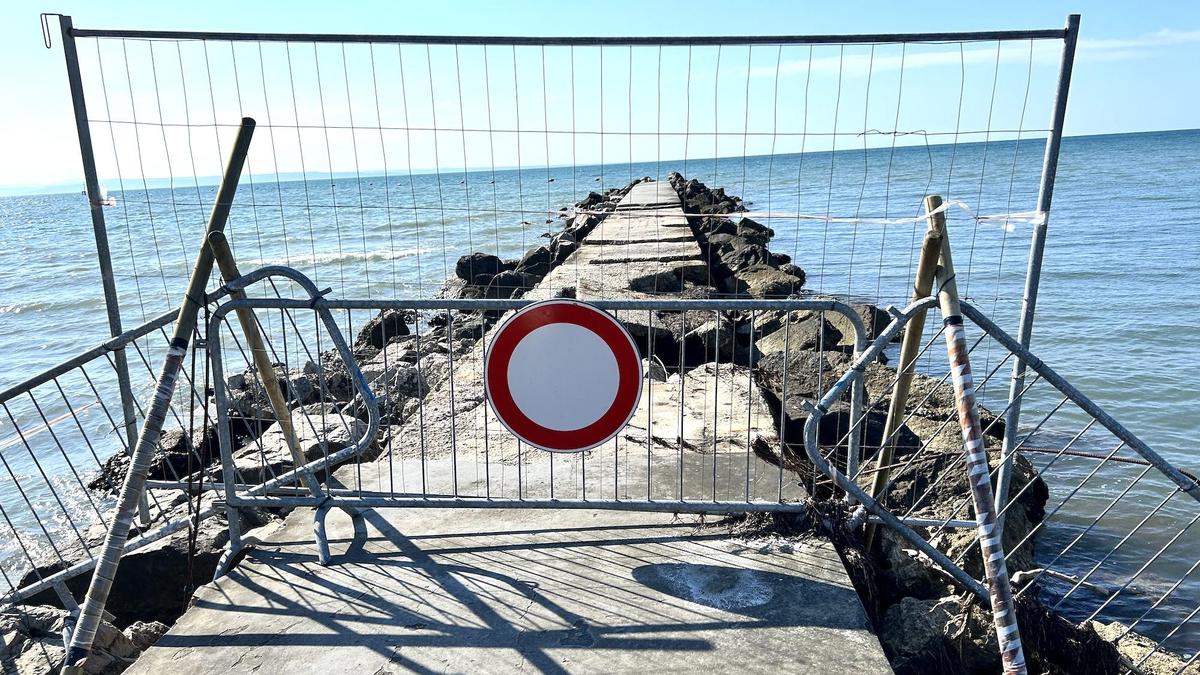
(715, 226)
(924, 636)
(763, 281)
(508, 284)
(537, 261)
(477, 263)
(794, 270)
(167, 561)
(178, 454)
(754, 233)
(563, 250)
(590, 201)
(381, 328)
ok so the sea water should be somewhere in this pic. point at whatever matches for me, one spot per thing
(1117, 310)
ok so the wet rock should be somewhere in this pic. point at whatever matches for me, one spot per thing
(382, 328)
(474, 264)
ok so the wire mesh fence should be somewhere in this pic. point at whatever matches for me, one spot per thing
(384, 159)
(381, 159)
(1097, 527)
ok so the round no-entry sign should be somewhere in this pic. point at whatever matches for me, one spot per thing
(563, 376)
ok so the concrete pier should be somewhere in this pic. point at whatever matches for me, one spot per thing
(504, 590)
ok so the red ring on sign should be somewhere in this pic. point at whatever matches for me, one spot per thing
(604, 326)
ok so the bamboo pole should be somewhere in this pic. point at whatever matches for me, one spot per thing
(1004, 614)
(262, 360)
(135, 479)
(931, 248)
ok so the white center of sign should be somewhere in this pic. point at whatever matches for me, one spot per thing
(563, 376)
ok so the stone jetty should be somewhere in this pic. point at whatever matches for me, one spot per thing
(578, 590)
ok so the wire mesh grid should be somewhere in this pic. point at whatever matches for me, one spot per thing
(381, 163)
(1093, 528)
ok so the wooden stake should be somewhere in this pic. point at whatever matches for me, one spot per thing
(931, 249)
(1004, 614)
(262, 361)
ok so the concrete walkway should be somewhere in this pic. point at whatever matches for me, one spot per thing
(491, 590)
(436, 590)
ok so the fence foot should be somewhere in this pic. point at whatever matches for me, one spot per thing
(323, 555)
(226, 561)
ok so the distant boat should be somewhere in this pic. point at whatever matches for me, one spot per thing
(105, 198)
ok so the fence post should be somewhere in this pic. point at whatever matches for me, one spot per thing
(1037, 248)
(103, 256)
(931, 248)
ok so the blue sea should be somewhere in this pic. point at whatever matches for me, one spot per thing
(1117, 313)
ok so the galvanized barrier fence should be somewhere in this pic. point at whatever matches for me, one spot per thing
(1097, 526)
(703, 440)
(57, 434)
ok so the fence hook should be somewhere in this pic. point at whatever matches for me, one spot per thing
(44, 17)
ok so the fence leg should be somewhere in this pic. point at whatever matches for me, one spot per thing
(1004, 613)
(1037, 247)
(91, 181)
(931, 248)
(135, 479)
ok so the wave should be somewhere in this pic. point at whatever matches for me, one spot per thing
(343, 257)
(49, 305)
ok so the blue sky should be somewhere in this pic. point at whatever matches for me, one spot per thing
(1135, 72)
